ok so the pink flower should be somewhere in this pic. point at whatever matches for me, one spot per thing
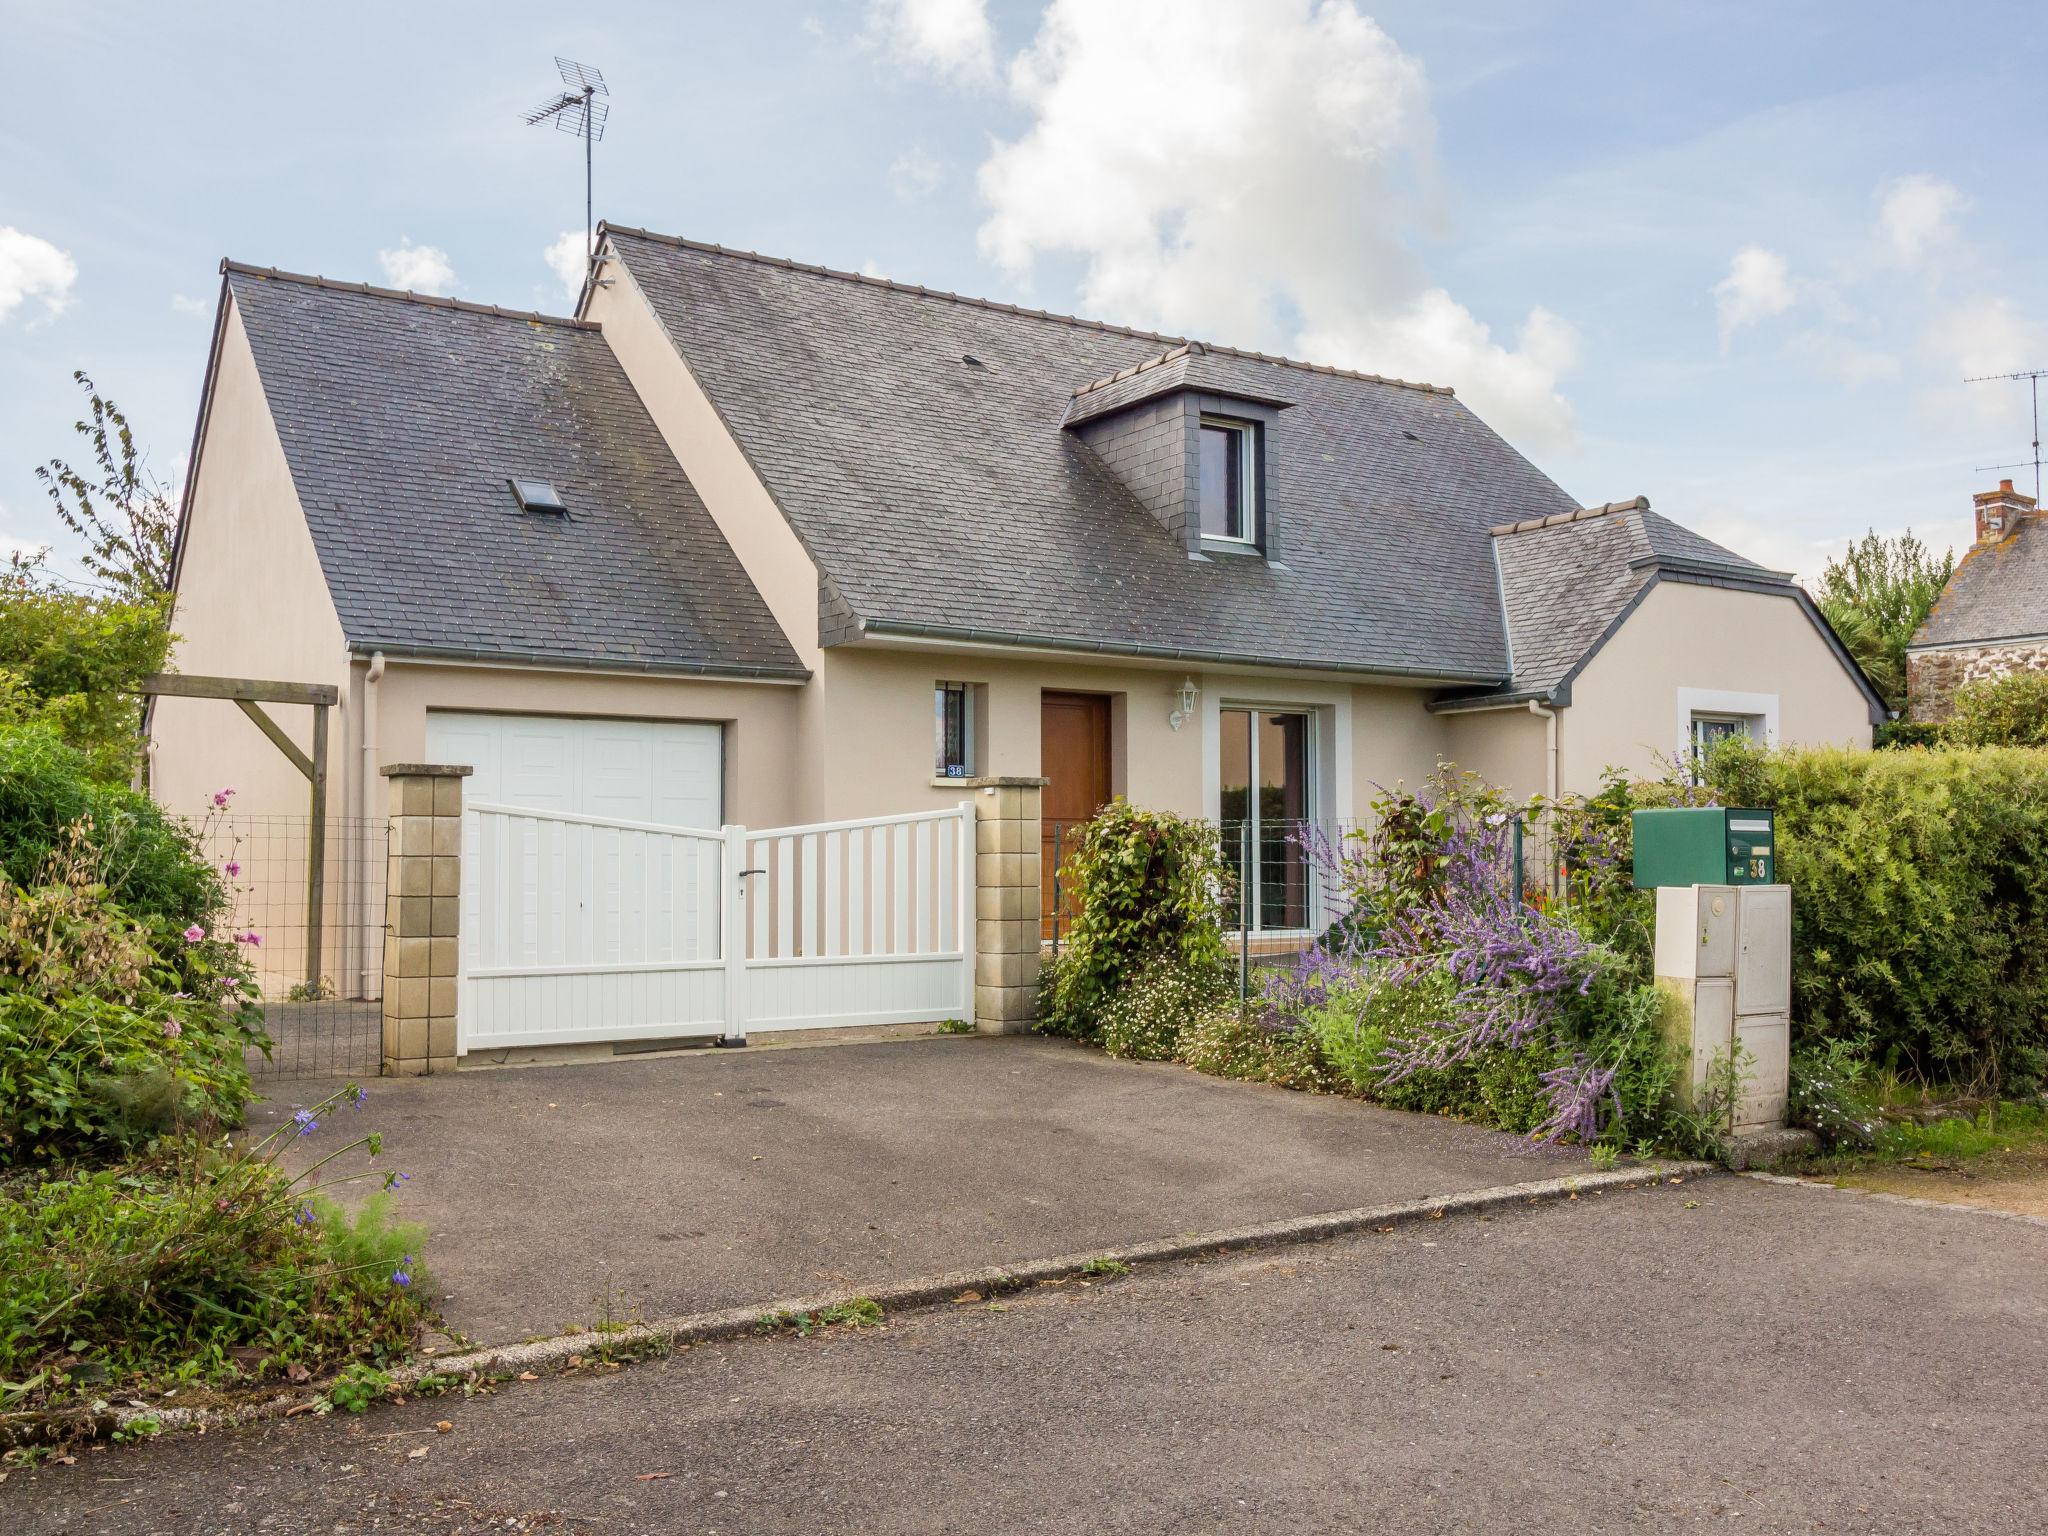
(173, 1029)
(252, 938)
(194, 934)
(234, 869)
(220, 796)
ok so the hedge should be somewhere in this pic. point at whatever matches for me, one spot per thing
(1920, 902)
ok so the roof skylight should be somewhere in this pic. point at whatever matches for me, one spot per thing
(539, 496)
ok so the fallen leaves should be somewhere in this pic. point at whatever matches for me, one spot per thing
(966, 1296)
(444, 1427)
(650, 1477)
(528, 1376)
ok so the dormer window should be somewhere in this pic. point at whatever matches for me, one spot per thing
(1229, 481)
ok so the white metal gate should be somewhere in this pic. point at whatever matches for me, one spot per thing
(584, 928)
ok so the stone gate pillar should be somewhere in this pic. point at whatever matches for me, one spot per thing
(422, 917)
(1008, 900)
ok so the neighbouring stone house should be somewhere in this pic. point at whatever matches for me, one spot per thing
(1992, 618)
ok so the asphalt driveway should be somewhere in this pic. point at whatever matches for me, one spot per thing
(652, 1186)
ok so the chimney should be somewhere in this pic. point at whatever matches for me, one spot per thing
(1999, 512)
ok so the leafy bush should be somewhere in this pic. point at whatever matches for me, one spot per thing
(1144, 1019)
(2009, 711)
(70, 663)
(1896, 734)
(105, 1042)
(1920, 902)
(1146, 883)
(150, 862)
(198, 1262)
(1229, 1040)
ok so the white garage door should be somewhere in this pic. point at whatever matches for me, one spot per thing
(667, 772)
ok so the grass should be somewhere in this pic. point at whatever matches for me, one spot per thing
(1995, 1157)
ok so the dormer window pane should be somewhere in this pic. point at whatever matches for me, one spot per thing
(1226, 485)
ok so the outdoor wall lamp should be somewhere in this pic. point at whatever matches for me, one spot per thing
(1187, 694)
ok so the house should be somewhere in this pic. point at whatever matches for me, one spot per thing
(753, 541)
(1992, 617)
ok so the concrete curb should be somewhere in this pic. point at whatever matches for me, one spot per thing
(1891, 1199)
(930, 1290)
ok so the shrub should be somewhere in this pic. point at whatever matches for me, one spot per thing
(151, 863)
(198, 1262)
(1144, 1019)
(105, 1043)
(1920, 902)
(1146, 883)
(1229, 1040)
(2009, 711)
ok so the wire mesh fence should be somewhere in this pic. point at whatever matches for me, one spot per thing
(315, 906)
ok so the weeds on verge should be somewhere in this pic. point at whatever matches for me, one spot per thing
(860, 1312)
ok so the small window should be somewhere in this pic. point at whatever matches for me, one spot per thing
(953, 707)
(1709, 731)
(538, 496)
(1229, 481)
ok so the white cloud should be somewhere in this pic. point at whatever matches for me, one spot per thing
(32, 268)
(951, 38)
(421, 268)
(568, 257)
(916, 174)
(190, 306)
(1916, 218)
(1274, 215)
(1758, 286)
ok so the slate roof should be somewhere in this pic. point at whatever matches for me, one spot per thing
(1567, 579)
(942, 497)
(1997, 592)
(402, 417)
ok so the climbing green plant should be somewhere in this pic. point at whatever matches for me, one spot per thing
(1146, 885)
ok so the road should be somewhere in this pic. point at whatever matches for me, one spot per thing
(1717, 1355)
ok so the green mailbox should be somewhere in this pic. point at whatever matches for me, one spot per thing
(1704, 845)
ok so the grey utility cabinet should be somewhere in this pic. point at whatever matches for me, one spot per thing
(1724, 958)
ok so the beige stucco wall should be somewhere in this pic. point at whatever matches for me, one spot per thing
(251, 602)
(875, 705)
(1625, 704)
(1505, 747)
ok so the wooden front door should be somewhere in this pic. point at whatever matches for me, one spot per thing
(1073, 756)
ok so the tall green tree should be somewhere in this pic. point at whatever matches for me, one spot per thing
(72, 661)
(125, 516)
(1876, 595)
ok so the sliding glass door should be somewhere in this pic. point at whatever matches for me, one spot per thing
(1268, 757)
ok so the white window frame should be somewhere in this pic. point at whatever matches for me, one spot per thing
(968, 743)
(1759, 709)
(1248, 482)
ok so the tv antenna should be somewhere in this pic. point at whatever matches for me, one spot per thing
(2033, 376)
(576, 109)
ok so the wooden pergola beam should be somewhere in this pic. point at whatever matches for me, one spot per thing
(255, 690)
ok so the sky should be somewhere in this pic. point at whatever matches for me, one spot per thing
(1738, 258)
